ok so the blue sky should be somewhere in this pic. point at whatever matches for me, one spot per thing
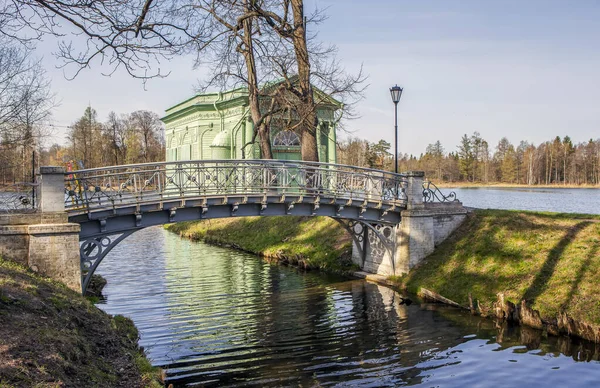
(528, 70)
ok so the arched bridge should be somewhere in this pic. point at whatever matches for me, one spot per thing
(112, 202)
(391, 217)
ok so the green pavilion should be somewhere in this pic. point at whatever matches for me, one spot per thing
(218, 125)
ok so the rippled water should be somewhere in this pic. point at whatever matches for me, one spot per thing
(539, 199)
(216, 317)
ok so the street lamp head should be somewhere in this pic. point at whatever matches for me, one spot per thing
(396, 92)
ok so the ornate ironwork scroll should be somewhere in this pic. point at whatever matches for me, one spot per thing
(382, 240)
(357, 231)
(431, 193)
(93, 250)
(380, 237)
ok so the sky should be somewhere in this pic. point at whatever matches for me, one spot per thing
(527, 70)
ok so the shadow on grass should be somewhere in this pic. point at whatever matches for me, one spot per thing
(580, 273)
(501, 251)
(540, 283)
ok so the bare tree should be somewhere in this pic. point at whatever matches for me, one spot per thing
(149, 128)
(138, 34)
(310, 63)
(25, 95)
(25, 107)
(272, 38)
(115, 132)
(232, 59)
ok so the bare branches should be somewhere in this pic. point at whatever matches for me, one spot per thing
(134, 35)
(142, 17)
(245, 43)
(25, 97)
(25, 107)
(267, 44)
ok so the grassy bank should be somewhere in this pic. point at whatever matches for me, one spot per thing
(309, 242)
(552, 261)
(51, 336)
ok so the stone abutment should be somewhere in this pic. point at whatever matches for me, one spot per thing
(423, 226)
(44, 241)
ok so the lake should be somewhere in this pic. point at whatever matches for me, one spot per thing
(538, 199)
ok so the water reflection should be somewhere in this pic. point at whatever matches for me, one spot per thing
(212, 316)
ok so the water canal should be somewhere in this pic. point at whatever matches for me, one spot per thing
(216, 317)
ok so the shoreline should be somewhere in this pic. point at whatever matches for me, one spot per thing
(532, 268)
(498, 185)
(503, 303)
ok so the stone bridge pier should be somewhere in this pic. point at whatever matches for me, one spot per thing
(394, 250)
(44, 240)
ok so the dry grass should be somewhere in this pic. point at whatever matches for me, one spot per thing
(51, 336)
(550, 260)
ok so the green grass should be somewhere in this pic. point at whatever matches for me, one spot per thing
(309, 242)
(550, 260)
(51, 336)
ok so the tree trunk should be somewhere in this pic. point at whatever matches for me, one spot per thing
(307, 111)
(253, 95)
(530, 178)
(565, 166)
(549, 179)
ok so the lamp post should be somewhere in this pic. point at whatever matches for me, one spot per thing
(396, 92)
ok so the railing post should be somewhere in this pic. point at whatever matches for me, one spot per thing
(51, 194)
(414, 191)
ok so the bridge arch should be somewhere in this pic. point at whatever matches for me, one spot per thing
(111, 203)
(94, 249)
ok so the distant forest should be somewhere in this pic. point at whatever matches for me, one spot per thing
(136, 137)
(554, 162)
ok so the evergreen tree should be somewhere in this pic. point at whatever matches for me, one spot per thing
(436, 152)
(466, 157)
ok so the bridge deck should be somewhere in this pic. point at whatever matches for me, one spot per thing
(227, 188)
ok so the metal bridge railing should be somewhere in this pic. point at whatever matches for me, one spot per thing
(113, 187)
(431, 193)
(18, 198)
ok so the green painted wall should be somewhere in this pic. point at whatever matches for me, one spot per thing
(193, 126)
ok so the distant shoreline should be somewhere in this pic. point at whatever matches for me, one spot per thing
(469, 185)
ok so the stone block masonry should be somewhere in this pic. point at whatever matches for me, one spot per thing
(414, 239)
(52, 189)
(14, 243)
(54, 252)
(45, 241)
(446, 219)
(51, 249)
